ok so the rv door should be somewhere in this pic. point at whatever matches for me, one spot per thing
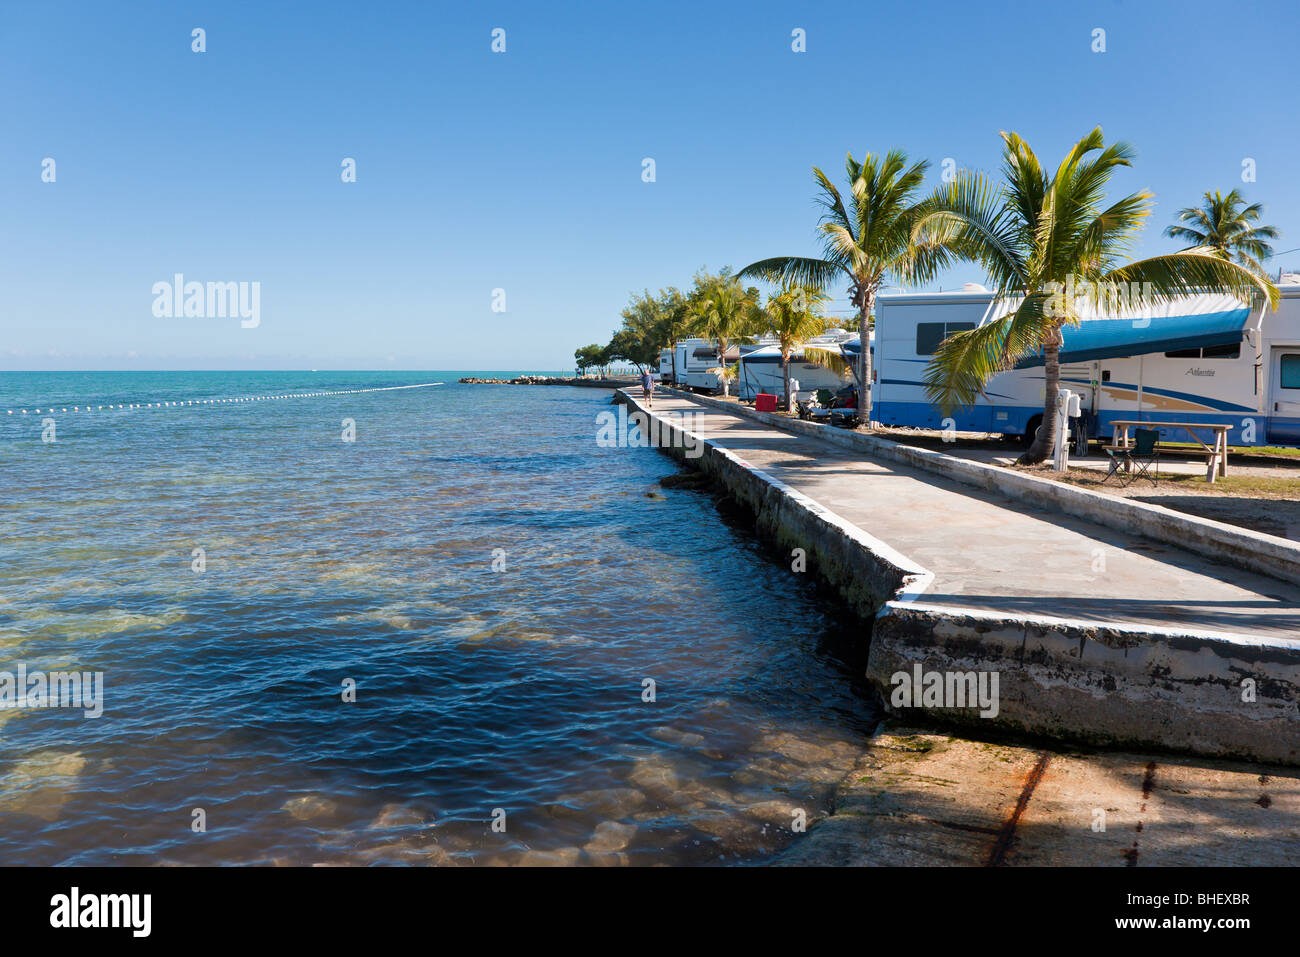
(1284, 396)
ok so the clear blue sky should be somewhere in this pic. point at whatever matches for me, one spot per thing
(522, 170)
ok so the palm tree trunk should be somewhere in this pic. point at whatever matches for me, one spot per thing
(785, 371)
(722, 361)
(868, 300)
(1045, 441)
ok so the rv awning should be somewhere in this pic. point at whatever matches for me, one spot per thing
(1116, 338)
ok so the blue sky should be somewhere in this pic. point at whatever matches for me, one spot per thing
(522, 171)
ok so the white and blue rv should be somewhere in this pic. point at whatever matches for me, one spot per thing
(1199, 359)
(759, 367)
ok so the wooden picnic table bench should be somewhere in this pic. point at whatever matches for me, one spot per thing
(1216, 455)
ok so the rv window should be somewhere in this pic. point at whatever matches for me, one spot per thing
(930, 334)
(1230, 351)
(1291, 372)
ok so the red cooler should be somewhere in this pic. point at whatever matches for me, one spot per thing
(764, 402)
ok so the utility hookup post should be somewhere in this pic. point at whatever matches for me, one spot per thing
(1068, 407)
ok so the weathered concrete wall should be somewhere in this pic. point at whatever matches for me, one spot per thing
(1089, 682)
(1243, 547)
(1219, 695)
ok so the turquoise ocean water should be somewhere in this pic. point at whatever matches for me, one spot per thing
(512, 692)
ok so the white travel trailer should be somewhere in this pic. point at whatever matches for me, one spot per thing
(1202, 358)
(696, 358)
(760, 368)
(666, 365)
(697, 362)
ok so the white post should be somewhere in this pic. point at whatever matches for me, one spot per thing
(1067, 407)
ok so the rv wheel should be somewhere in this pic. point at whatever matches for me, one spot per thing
(1031, 431)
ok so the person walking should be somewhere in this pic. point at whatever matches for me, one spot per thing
(648, 388)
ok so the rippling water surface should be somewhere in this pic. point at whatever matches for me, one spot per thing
(517, 689)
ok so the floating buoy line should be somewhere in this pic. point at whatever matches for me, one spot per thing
(234, 400)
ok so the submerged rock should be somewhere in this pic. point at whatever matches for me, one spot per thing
(309, 807)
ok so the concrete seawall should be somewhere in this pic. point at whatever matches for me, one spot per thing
(1190, 689)
(1106, 684)
(1256, 551)
(865, 571)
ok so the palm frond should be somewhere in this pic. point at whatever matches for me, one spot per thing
(831, 201)
(829, 359)
(1161, 278)
(796, 270)
(970, 215)
(965, 361)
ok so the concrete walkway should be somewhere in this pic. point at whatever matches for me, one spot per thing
(992, 554)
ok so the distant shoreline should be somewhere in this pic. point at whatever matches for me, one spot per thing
(591, 382)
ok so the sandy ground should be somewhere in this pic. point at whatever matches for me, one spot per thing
(917, 797)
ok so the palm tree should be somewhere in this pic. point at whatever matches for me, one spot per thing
(723, 310)
(1037, 235)
(866, 241)
(1229, 227)
(794, 316)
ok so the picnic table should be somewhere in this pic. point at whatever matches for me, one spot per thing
(1216, 456)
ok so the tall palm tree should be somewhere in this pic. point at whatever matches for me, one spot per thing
(724, 311)
(1229, 227)
(868, 240)
(1038, 234)
(793, 316)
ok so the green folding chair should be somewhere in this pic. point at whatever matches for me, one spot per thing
(1139, 460)
(1145, 455)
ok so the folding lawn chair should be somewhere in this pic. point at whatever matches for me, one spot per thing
(1130, 463)
(1145, 454)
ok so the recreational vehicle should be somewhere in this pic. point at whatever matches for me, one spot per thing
(760, 368)
(696, 360)
(666, 366)
(1204, 358)
(698, 363)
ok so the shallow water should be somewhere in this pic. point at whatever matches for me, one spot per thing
(517, 689)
